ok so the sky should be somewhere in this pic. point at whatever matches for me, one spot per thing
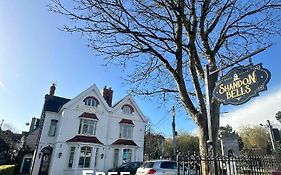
(34, 53)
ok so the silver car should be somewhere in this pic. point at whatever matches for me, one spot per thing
(162, 167)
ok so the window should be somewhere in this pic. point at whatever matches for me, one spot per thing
(87, 127)
(96, 157)
(71, 156)
(91, 101)
(127, 155)
(127, 109)
(53, 128)
(168, 165)
(126, 131)
(85, 157)
(115, 157)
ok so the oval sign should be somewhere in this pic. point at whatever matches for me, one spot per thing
(241, 83)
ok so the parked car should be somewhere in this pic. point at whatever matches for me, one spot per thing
(127, 167)
(162, 167)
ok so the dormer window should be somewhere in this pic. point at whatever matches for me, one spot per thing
(91, 101)
(127, 109)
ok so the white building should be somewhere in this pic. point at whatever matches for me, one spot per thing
(88, 133)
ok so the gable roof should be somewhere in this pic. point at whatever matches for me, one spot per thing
(85, 94)
(54, 103)
(124, 101)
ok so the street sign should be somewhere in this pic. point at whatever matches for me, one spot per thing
(241, 83)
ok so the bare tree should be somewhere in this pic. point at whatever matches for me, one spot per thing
(168, 43)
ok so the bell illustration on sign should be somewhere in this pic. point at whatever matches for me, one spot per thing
(241, 83)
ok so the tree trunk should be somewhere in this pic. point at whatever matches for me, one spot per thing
(204, 136)
(203, 147)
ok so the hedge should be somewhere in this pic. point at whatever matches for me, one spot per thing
(7, 169)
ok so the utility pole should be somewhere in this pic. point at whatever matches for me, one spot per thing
(149, 142)
(174, 135)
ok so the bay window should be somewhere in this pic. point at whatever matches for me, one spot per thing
(127, 155)
(85, 157)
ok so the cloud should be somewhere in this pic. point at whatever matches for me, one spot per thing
(258, 111)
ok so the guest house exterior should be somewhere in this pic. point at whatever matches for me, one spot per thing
(88, 133)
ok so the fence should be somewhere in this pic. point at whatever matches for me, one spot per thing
(235, 165)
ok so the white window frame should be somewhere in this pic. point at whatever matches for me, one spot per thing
(85, 156)
(91, 101)
(130, 156)
(71, 157)
(127, 109)
(126, 131)
(53, 128)
(82, 127)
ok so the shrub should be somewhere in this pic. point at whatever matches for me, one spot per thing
(7, 169)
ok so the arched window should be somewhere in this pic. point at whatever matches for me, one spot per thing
(127, 109)
(91, 101)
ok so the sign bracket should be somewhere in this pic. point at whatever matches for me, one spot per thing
(239, 60)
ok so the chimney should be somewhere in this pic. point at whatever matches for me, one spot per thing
(52, 90)
(32, 124)
(107, 95)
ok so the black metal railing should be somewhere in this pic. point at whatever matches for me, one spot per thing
(234, 165)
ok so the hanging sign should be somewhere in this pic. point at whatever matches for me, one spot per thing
(241, 83)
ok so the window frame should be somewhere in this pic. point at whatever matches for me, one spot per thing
(130, 155)
(127, 109)
(126, 131)
(71, 157)
(82, 125)
(85, 157)
(91, 101)
(53, 128)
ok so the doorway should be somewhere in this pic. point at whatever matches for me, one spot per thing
(26, 165)
(45, 161)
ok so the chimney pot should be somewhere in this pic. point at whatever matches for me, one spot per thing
(52, 90)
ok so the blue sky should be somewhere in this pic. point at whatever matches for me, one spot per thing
(34, 54)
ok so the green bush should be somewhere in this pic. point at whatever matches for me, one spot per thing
(7, 169)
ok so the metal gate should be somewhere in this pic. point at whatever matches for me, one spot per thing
(234, 165)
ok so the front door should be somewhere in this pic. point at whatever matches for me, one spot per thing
(45, 163)
(26, 165)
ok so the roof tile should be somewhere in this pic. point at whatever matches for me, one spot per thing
(87, 139)
(127, 121)
(89, 115)
(124, 142)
